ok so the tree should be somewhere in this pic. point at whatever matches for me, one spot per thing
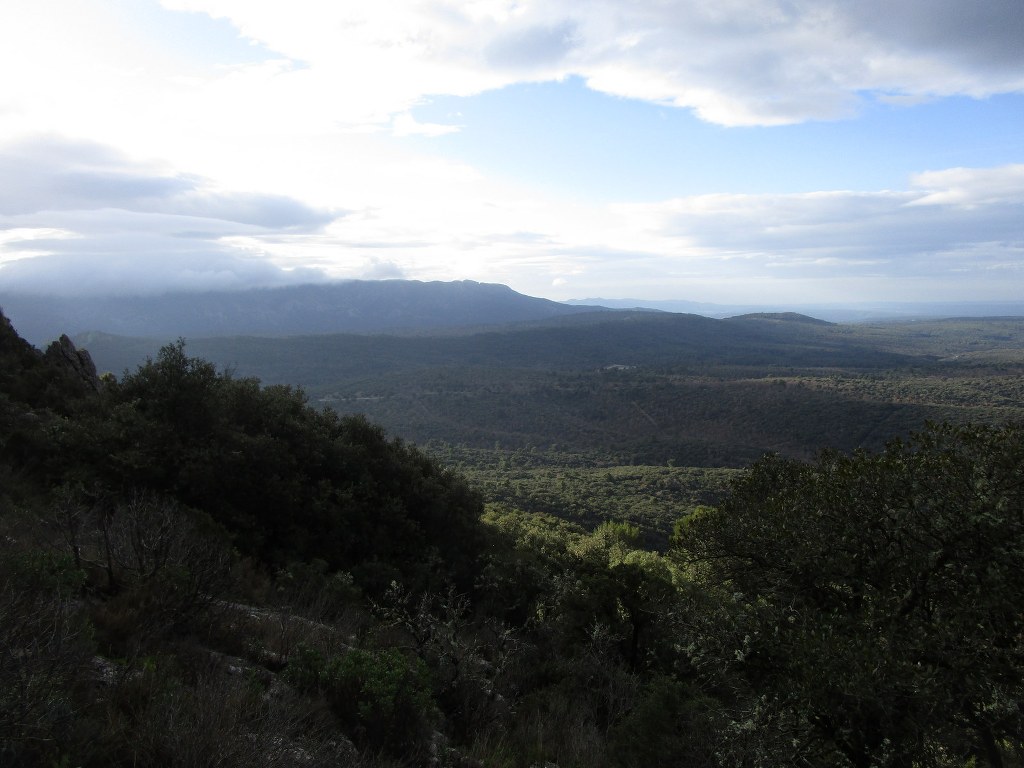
(865, 610)
(288, 481)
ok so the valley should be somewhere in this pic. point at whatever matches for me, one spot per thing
(655, 393)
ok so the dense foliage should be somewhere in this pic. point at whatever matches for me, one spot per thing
(196, 570)
(288, 481)
(589, 489)
(868, 608)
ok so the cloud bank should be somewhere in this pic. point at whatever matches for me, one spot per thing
(79, 218)
(738, 62)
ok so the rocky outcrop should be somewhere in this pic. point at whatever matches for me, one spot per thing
(65, 355)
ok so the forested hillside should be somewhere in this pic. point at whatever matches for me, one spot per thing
(200, 570)
(643, 388)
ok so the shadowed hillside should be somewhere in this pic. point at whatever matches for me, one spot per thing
(348, 307)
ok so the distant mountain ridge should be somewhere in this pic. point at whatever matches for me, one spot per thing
(384, 306)
(356, 306)
(783, 317)
(853, 312)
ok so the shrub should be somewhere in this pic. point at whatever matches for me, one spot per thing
(45, 644)
(380, 697)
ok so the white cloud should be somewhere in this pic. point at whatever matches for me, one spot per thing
(143, 265)
(236, 167)
(951, 234)
(406, 125)
(971, 186)
(834, 244)
(19, 243)
(54, 174)
(81, 218)
(381, 269)
(739, 62)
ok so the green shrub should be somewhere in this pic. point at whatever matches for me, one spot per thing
(381, 698)
(665, 727)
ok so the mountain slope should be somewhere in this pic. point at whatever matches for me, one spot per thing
(346, 307)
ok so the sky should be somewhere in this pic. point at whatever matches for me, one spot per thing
(736, 151)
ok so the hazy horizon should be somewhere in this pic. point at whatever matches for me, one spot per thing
(41, 318)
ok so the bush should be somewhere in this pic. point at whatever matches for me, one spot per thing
(166, 564)
(163, 714)
(45, 645)
(665, 727)
(381, 698)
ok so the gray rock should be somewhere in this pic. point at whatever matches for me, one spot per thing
(64, 354)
